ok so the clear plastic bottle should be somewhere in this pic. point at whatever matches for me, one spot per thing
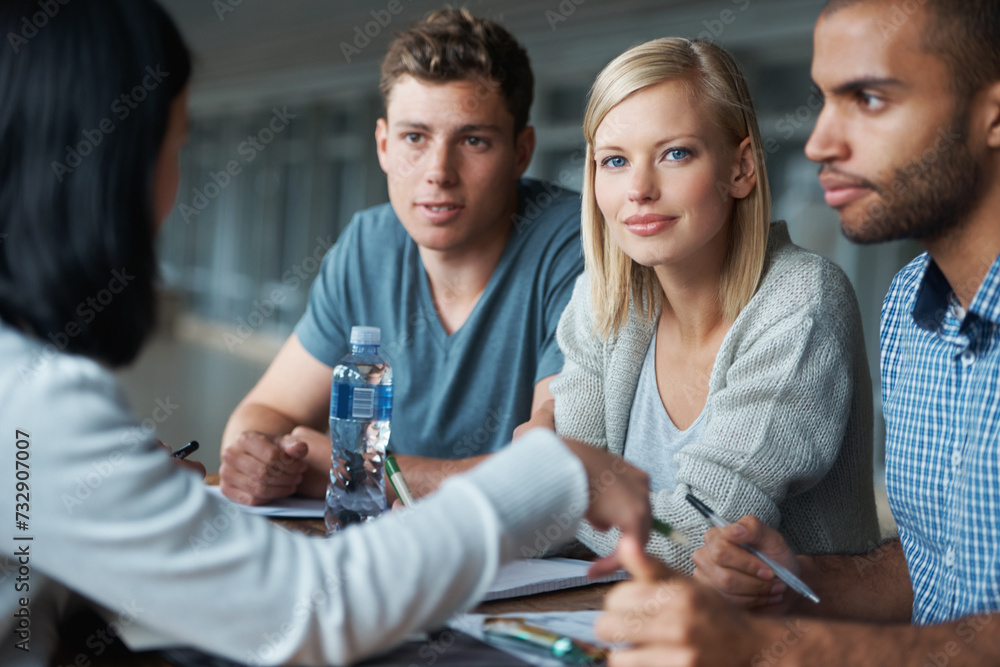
(360, 410)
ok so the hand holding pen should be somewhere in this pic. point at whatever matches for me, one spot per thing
(746, 575)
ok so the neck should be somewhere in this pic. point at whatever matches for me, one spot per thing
(966, 255)
(457, 277)
(692, 302)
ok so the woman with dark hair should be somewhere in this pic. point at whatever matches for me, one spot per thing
(92, 119)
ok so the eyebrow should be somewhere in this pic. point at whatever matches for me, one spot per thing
(862, 84)
(670, 140)
(465, 129)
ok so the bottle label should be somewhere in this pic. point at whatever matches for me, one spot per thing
(362, 402)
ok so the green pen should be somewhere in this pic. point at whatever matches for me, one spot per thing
(398, 482)
(666, 530)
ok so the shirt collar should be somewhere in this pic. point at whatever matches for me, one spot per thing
(986, 303)
(934, 296)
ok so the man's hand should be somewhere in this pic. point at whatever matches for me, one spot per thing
(668, 620)
(738, 575)
(543, 417)
(257, 467)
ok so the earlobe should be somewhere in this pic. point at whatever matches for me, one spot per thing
(381, 137)
(744, 172)
(524, 145)
(993, 104)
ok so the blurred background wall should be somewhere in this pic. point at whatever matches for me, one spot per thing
(283, 107)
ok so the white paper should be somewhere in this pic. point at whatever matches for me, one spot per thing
(532, 576)
(284, 508)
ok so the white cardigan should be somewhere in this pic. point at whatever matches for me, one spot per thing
(788, 433)
(114, 520)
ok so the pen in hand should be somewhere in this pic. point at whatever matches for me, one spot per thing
(186, 450)
(782, 573)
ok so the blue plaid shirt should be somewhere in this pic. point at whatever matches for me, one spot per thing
(941, 400)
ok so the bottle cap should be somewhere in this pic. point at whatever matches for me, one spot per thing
(365, 335)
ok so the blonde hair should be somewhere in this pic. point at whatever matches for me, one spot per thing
(616, 280)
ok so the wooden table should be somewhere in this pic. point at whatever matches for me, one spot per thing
(75, 631)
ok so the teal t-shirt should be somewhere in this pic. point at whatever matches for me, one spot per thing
(459, 395)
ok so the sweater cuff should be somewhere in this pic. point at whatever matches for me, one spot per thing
(538, 488)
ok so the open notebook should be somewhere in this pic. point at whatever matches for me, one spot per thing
(543, 575)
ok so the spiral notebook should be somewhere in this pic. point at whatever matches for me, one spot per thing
(533, 576)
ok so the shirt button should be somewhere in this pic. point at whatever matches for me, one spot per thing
(968, 357)
(949, 557)
(956, 459)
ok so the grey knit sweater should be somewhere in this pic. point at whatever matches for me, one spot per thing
(788, 433)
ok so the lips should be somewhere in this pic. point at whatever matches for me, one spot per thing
(440, 211)
(649, 224)
(842, 190)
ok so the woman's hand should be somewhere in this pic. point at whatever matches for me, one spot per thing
(187, 464)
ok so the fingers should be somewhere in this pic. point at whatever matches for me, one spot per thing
(650, 656)
(256, 469)
(642, 566)
(194, 466)
(640, 612)
(619, 492)
(604, 566)
(738, 575)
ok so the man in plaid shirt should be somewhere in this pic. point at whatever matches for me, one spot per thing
(909, 146)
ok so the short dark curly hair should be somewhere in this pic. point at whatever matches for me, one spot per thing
(453, 45)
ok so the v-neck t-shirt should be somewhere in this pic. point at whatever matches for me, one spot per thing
(457, 395)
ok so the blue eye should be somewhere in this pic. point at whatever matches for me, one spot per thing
(677, 154)
(614, 162)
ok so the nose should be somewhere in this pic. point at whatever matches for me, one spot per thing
(828, 141)
(442, 167)
(643, 185)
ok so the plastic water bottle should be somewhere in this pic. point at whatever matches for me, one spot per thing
(360, 410)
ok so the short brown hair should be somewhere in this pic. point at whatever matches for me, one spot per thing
(453, 45)
(965, 34)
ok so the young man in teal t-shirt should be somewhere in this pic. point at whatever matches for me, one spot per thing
(466, 271)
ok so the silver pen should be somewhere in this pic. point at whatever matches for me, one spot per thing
(782, 573)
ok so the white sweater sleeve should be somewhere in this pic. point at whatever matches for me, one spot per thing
(115, 520)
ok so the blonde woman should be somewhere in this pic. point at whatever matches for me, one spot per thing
(701, 344)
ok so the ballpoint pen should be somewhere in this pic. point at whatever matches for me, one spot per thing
(782, 573)
(186, 450)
